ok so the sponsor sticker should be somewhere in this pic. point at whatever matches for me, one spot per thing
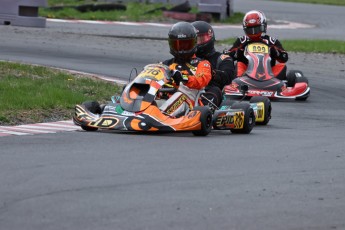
(239, 120)
(260, 93)
(107, 122)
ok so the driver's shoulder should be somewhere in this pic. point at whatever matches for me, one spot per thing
(243, 39)
(270, 39)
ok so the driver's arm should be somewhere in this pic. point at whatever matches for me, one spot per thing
(202, 76)
(281, 56)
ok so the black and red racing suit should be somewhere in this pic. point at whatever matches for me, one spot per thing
(277, 53)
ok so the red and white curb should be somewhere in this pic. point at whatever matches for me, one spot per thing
(39, 128)
(279, 25)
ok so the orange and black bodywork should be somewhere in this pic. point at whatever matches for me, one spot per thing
(141, 107)
(136, 109)
(262, 79)
(152, 119)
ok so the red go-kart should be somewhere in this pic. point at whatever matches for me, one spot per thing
(261, 81)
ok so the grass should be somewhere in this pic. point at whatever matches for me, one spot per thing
(307, 46)
(324, 2)
(134, 12)
(37, 94)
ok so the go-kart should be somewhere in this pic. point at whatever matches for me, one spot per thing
(150, 103)
(261, 81)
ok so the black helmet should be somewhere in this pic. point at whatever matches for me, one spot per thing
(182, 40)
(205, 38)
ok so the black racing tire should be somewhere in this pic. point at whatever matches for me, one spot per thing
(301, 78)
(249, 118)
(205, 119)
(303, 98)
(95, 108)
(291, 78)
(267, 109)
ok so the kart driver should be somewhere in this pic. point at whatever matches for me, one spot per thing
(223, 70)
(187, 68)
(255, 27)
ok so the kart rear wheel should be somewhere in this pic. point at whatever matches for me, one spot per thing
(93, 107)
(205, 119)
(249, 117)
(267, 108)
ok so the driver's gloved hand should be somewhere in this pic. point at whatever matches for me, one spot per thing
(178, 77)
(274, 52)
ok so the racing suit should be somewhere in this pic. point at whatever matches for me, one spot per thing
(198, 71)
(277, 53)
(223, 72)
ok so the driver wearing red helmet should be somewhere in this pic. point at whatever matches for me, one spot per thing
(255, 27)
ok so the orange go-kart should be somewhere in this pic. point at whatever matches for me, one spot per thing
(150, 103)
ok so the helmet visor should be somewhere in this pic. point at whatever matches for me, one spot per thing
(253, 30)
(204, 38)
(182, 45)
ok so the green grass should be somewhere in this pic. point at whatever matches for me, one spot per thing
(138, 11)
(38, 92)
(325, 2)
(134, 12)
(307, 46)
(236, 18)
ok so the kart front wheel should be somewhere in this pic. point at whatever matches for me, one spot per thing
(291, 78)
(249, 118)
(302, 78)
(267, 108)
(205, 119)
(95, 108)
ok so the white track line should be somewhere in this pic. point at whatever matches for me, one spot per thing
(39, 128)
(281, 25)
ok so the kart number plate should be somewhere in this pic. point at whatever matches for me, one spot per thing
(152, 73)
(258, 48)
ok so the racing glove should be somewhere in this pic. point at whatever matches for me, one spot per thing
(178, 77)
(274, 53)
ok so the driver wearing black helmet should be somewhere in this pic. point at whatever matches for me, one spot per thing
(223, 70)
(187, 68)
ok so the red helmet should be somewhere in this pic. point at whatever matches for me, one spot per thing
(254, 24)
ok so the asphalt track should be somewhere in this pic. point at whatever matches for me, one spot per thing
(287, 175)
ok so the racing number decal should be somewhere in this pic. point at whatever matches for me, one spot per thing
(258, 48)
(154, 73)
